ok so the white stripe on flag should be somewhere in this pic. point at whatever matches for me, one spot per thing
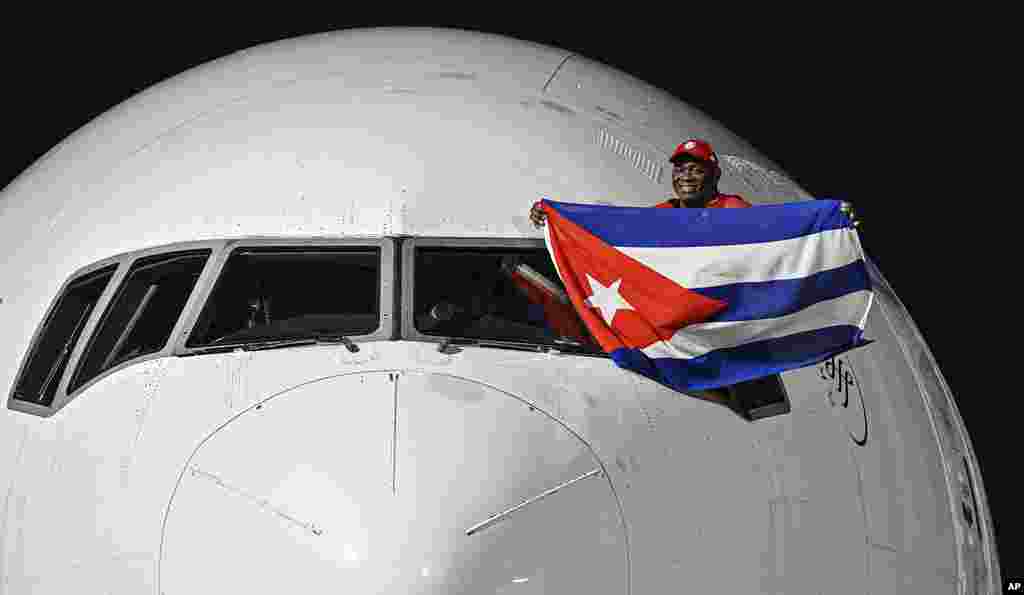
(698, 339)
(710, 266)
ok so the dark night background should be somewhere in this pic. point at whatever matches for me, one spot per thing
(850, 107)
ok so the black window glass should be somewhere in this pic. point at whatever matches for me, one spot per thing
(292, 292)
(140, 318)
(504, 294)
(46, 362)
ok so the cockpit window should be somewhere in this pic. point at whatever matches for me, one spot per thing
(268, 293)
(47, 361)
(502, 294)
(140, 318)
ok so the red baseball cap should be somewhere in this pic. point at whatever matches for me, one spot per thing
(696, 149)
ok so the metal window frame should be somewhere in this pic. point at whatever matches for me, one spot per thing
(37, 409)
(220, 249)
(124, 262)
(129, 327)
(126, 268)
(408, 253)
(386, 298)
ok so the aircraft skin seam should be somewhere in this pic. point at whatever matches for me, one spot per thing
(555, 72)
(394, 435)
(242, 98)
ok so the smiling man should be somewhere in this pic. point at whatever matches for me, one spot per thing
(695, 175)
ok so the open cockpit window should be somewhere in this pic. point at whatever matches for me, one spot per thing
(495, 293)
(49, 357)
(140, 318)
(292, 292)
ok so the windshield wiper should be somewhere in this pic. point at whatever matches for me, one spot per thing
(265, 344)
(277, 344)
(447, 344)
(250, 346)
(567, 345)
(210, 349)
(348, 343)
(298, 342)
(562, 345)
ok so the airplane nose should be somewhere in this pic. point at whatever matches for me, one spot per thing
(393, 482)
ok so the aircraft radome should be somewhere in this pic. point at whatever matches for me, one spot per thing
(171, 426)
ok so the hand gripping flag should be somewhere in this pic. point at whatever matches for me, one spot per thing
(704, 298)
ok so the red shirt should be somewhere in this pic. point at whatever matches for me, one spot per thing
(721, 201)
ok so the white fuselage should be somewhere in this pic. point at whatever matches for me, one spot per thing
(399, 467)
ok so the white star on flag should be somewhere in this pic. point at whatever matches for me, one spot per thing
(607, 299)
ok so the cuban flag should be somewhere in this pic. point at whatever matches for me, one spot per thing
(705, 298)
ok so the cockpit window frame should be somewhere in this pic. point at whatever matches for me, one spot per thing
(121, 278)
(124, 263)
(59, 397)
(220, 250)
(409, 332)
(385, 326)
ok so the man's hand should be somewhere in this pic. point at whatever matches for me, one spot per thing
(847, 208)
(537, 215)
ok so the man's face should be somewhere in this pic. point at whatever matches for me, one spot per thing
(688, 178)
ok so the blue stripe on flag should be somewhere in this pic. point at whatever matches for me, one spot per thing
(669, 228)
(724, 367)
(771, 299)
